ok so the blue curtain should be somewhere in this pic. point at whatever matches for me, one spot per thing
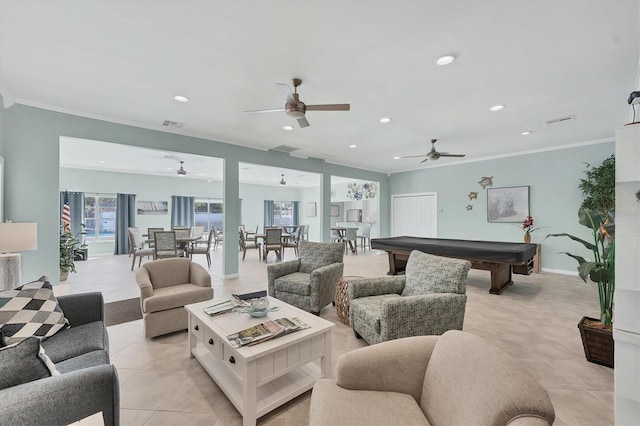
(125, 218)
(183, 211)
(296, 212)
(76, 206)
(268, 212)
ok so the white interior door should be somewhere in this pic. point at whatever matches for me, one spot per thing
(415, 215)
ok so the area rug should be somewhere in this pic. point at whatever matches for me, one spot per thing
(122, 311)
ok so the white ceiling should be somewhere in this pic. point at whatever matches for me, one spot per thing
(124, 61)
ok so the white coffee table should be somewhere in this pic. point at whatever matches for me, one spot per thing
(260, 378)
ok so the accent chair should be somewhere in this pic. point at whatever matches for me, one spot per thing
(308, 282)
(453, 379)
(429, 299)
(167, 285)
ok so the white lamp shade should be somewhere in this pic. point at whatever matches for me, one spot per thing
(18, 237)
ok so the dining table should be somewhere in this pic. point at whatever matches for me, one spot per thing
(342, 232)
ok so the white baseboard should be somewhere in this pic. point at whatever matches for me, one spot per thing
(560, 271)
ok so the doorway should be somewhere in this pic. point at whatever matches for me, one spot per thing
(415, 215)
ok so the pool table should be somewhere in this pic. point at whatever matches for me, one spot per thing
(500, 258)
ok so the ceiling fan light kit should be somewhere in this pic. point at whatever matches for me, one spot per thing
(181, 171)
(282, 181)
(297, 109)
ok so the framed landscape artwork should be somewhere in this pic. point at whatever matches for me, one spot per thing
(152, 207)
(507, 205)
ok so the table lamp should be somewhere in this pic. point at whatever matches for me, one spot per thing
(15, 237)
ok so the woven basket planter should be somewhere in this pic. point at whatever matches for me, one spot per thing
(597, 340)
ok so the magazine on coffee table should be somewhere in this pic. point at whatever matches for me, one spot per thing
(221, 307)
(266, 331)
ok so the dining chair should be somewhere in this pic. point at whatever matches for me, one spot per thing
(272, 242)
(246, 244)
(351, 240)
(182, 234)
(136, 243)
(173, 228)
(336, 236)
(217, 237)
(131, 245)
(150, 235)
(202, 249)
(165, 244)
(293, 241)
(197, 231)
(364, 235)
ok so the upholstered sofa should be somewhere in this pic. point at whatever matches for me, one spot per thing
(87, 383)
(453, 379)
(308, 282)
(166, 286)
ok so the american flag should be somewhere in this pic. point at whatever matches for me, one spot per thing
(66, 213)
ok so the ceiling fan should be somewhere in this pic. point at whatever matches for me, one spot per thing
(295, 108)
(433, 154)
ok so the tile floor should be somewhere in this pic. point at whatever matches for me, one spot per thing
(533, 321)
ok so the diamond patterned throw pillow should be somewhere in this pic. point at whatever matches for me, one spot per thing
(30, 310)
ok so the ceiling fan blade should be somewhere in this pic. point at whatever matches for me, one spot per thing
(329, 107)
(285, 90)
(260, 111)
(302, 121)
(424, 160)
(442, 154)
(414, 156)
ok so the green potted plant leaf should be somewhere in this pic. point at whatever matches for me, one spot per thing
(68, 244)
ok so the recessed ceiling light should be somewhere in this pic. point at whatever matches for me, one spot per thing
(528, 132)
(102, 162)
(288, 127)
(497, 108)
(396, 158)
(353, 146)
(385, 120)
(169, 168)
(445, 60)
(180, 98)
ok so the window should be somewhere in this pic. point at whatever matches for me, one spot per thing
(208, 214)
(100, 217)
(282, 213)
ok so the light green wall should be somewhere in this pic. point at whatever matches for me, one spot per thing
(31, 150)
(554, 197)
(1, 128)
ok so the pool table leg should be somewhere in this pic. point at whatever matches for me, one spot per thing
(500, 277)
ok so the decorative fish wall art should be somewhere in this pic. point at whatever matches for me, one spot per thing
(486, 181)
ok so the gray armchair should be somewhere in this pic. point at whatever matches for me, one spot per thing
(308, 282)
(429, 299)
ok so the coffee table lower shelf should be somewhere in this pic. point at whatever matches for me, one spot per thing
(270, 395)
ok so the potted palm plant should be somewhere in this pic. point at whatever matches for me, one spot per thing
(596, 213)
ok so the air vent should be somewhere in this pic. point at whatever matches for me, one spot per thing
(174, 124)
(560, 120)
(285, 148)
